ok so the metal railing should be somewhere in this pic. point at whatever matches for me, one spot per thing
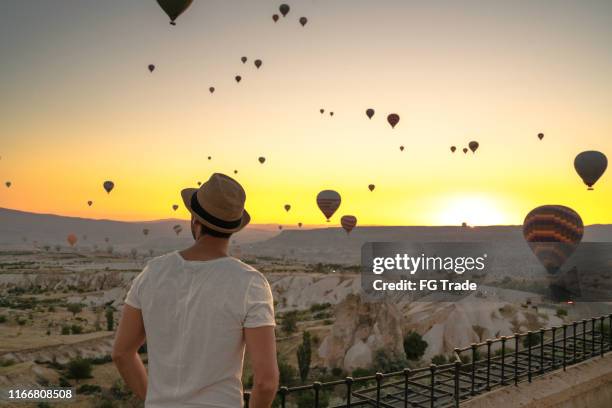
(478, 368)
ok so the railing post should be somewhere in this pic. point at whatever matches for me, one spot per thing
(473, 389)
(575, 346)
(529, 356)
(610, 332)
(457, 385)
(406, 375)
(379, 378)
(283, 393)
(316, 386)
(584, 323)
(564, 346)
(503, 360)
(517, 338)
(247, 397)
(601, 336)
(349, 384)
(593, 319)
(432, 368)
(554, 346)
(489, 364)
(542, 331)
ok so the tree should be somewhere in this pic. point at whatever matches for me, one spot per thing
(304, 353)
(533, 340)
(286, 372)
(74, 308)
(110, 322)
(289, 323)
(414, 346)
(79, 368)
(439, 359)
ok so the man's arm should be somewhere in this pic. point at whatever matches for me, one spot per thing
(261, 348)
(130, 336)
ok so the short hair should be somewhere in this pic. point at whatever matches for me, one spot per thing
(208, 231)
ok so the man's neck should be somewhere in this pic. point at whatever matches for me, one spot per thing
(206, 248)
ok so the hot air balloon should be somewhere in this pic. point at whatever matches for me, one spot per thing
(90, 203)
(371, 187)
(134, 252)
(108, 186)
(175, 207)
(209, 157)
(331, 113)
(473, 145)
(553, 232)
(106, 240)
(238, 78)
(8, 184)
(284, 9)
(465, 150)
(393, 119)
(275, 17)
(199, 183)
(300, 225)
(287, 207)
(244, 60)
(72, 239)
(322, 111)
(401, 148)
(303, 21)
(235, 171)
(177, 229)
(348, 222)
(369, 113)
(257, 63)
(453, 148)
(280, 227)
(540, 136)
(328, 202)
(145, 231)
(262, 160)
(590, 166)
(211, 89)
(174, 8)
(151, 67)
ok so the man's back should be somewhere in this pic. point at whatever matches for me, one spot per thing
(194, 313)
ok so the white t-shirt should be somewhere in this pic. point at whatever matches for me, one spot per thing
(194, 313)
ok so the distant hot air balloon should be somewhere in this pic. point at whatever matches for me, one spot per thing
(244, 60)
(401, 148)
(473, 145)
(328, 202)
(177, 229)
(371, 187)
(453, 148)
(72, 239)
(465, 150)
(209, 157)
(348, 222)
(393, 119)
(151, 67)
(238, 78)
(175, 207)
(257, 63)
(235, 171)
(540, 136)
(8, 184)
(199, 183)
(322, 111)
(174, 8)
(284, 9)
(287, 207)
(303, 21)
(145, 231)
(331, 113)
(106, 240)
(300, 225)
(280, 227)
(211, 89)
(90, 203)
(275, 17)
(590, 166)
(553, 232)
(108, 186)
(369, 113)
(262, 160)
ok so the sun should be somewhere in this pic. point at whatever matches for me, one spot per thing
(472, 210)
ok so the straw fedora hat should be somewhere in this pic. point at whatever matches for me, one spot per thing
(218, 204)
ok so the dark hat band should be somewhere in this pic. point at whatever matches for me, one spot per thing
(205, 215)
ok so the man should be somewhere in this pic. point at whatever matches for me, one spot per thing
(198, 309)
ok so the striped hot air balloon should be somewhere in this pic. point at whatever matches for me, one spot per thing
(553, 233)
(328, 202)
(348, 222)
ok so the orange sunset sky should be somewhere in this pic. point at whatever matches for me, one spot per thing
(78, 106)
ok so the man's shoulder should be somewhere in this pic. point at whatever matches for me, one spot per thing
(162, 261)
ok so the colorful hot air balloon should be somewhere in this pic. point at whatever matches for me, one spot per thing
(473, 145)
(244, 60)
(174, 8)
(262, 160)
(72, 239)
(175, 207)
(553, 232)
(540, 136)
(275, 17)
(303, 21)
(211, 89)
(328, 202)
(284, 9)
(90, 203)
(371, 187)
(238, 78)
(465, 150)
(348, 222)
(393, 119)
(590, 166)
(369, 113)
(8, 184)
(453, 148)
(108, 186)
(287, 207)
(151, 67)
(257, 63)
(401, 148)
